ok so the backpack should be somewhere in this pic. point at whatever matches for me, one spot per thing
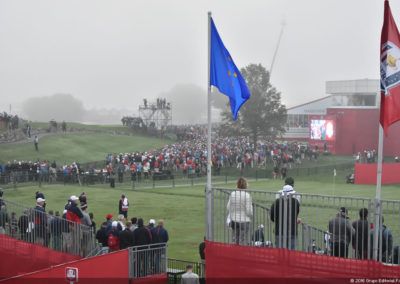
(113, 242)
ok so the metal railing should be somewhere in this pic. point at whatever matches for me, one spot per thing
(34, 226)
(265, 218)
(172, 178)
(177, 267)
(148, 260)
(315, 240)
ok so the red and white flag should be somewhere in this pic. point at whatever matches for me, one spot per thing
(390, 71)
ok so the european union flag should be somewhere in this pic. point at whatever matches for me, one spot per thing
(225, 75)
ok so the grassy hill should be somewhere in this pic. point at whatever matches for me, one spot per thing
(76, 125)
(78, 147)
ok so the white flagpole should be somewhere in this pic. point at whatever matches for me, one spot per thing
(209, 217)
(378, 218)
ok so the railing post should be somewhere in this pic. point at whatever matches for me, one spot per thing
(209, 213)
(130, 255)
(284, 235)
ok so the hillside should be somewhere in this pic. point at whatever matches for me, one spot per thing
(78, 147)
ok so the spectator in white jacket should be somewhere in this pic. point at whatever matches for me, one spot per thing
(240, 213)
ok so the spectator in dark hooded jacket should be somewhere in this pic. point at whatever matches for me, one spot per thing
(126, 238)
(361, 228)
(101, 235)
(141, 235)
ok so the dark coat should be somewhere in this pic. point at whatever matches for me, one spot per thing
(102, 236)
(258, 236)
(361, 227)
(23, 223)
(126, 239)
(341, 229)
(293, 209)
(159, 235)
(141, 236)
(73, 208)
(202, 248)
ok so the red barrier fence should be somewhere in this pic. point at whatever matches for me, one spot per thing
(19, 257)
(227, 263)
(366, 173)
(108, 268)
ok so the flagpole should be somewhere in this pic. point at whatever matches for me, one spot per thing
(209, 228)
(378, 217)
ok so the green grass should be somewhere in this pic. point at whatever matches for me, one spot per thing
(184, 216)
(183, 208)
(78, 147)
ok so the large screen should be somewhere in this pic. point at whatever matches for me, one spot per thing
(322, 129)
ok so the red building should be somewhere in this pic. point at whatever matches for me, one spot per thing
(356, 130)
(346, 121)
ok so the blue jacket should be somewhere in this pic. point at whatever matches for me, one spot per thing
(75, 209)
(159, 234)
(40, 216)
(55, 227)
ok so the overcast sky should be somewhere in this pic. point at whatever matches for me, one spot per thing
(115, 53)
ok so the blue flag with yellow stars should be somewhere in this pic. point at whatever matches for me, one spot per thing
(225, 75)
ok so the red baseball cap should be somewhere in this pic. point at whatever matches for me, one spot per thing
(109, 216)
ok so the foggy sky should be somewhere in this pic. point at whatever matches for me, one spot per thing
(115, 53)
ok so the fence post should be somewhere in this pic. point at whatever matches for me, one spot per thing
(133, 184)
(191, 180)
(226, 178)
(40, 179)
(173, 182)
(15, 183)
(154, 183)
(256, 175)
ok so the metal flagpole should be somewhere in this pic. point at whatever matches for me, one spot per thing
(378, 218)
(209, 224)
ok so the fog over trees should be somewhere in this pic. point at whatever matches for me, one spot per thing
(58, 107)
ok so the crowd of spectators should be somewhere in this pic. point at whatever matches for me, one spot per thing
(341, 233)
(73, 229)
(368, 156)
(9, 121)
(25, 171)
(187, 158)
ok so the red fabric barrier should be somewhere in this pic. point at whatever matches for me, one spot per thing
(19, 257)
(238, 264)
(366, 173)
(108, 268)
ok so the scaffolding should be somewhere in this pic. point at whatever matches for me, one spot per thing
(156, 114)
